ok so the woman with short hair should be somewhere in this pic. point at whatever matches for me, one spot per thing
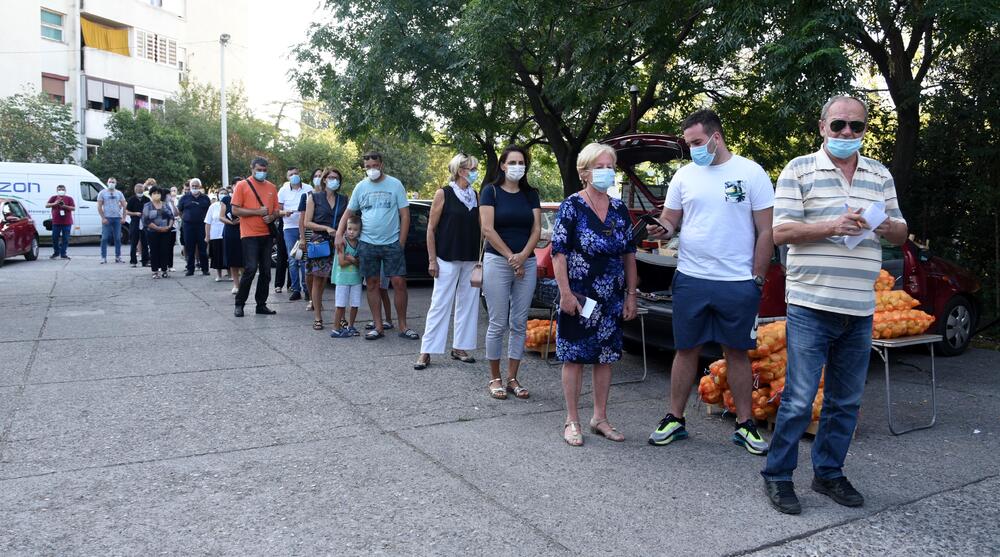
(453, 243)
(593, 257)
(158, 217)
(511, 218)
(324, 207)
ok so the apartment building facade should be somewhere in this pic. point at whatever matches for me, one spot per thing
(102, 56)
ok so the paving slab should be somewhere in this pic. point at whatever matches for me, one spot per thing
(157, 352)
(67, 426)
(939, 524)
(365, 495)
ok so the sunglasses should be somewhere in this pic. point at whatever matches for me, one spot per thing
(857, 126)
(372, 158)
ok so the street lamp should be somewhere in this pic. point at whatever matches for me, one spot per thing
(223, 39)
(633, 112)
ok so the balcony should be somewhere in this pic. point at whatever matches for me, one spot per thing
(96, 123)
(130, 70)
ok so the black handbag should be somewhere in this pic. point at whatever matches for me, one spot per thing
(272, 227)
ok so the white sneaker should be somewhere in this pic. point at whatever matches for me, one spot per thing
(235, 289)
(103, 261)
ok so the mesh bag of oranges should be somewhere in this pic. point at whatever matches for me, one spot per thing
(540, 331)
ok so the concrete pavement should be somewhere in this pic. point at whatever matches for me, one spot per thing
(139, 416)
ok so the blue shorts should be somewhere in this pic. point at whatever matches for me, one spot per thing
(382, 260)
(714, 311)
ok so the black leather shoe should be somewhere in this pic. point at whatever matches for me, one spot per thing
(264, 310)
(782, 496)
(206, 273)
(840, 490)
(189, 274)
(295, 296)
(238, 312)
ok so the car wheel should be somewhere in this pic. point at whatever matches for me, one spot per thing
(3, 252)
(956, 325)
(33, 252)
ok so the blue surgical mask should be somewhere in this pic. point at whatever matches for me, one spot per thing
(701, 156)
(316, 182)
(472, 177)
(333, 184)
(295, 180)
(842, 148)
(260, 176)
(602, 178)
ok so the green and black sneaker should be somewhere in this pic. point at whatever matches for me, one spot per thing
(671, 429)
(746, 434)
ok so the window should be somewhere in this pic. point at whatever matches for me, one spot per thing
(93, 145)
(156, 104)
(18, 211)
(141, 102)
(157, 48)
(55, 87)
(90, 190)
(108, 97)
(52, 25)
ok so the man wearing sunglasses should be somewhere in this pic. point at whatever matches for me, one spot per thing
(831, 299)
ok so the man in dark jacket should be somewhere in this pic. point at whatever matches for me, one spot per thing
(136, 234)
(193, 207)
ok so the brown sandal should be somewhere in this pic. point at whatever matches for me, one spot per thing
(611, 434)
(497, 392)
(514, 387)
(318, 325)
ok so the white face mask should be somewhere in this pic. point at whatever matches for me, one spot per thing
(515, 171)
(373, 173)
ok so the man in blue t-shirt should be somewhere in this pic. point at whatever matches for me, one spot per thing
(385, 222)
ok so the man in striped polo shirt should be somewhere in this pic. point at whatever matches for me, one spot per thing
(831, 299)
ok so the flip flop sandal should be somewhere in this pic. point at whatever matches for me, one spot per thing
(341, 333)
(575, 437)
(318, 325)
(462, 357)
(277, 290)
(373, 335)
(371, 326)
(386, 325)
(497, 392)
(410, 334)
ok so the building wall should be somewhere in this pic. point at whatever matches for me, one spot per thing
(191, 27)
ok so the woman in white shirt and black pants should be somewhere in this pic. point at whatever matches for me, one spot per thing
(213, 231)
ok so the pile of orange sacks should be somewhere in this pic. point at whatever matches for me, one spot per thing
(894, 313)
(539, 332)
(767, 363)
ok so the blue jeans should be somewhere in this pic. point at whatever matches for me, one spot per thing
(843, 343)
(296, 267)
(108, 231)
(60, 238)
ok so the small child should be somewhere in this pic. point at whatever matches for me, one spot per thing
(347, 278)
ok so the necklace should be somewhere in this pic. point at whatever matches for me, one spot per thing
(593, 207)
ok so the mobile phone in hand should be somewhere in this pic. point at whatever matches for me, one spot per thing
(650, 219)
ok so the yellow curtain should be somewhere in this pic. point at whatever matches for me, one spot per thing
(96, 35)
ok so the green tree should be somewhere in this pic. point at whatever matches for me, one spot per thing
(486, 72)
(35, 129)
(141, 146)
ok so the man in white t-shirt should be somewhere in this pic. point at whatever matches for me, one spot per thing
(722, 204)
(288, 197)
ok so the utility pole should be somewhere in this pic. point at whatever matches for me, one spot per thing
(223, 39)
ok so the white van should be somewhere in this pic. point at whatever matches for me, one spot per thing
(33, 184)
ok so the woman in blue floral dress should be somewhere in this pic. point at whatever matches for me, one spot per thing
(593, 257)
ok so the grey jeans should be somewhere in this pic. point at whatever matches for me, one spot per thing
(508, 300)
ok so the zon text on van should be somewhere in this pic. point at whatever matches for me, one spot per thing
(20, 187)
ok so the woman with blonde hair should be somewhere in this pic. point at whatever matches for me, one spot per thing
(593, 257)
(324, 207)
(454, 240)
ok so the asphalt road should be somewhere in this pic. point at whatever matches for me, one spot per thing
(140, 417)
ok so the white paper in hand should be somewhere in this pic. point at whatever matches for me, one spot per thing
(874, 216)
(588, 308)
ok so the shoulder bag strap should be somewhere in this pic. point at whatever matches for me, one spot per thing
(254, 190)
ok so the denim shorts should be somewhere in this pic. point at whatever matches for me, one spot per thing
(714, 311)
(388, 259)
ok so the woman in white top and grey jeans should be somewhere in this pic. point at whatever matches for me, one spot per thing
(511, 217)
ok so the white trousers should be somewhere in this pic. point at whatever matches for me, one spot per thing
(451, 287)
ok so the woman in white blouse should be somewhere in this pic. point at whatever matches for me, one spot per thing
(213, 231)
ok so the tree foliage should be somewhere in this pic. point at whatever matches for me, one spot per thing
(141, 146)
(33, 128)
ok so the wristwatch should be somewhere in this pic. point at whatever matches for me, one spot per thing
(759, 281)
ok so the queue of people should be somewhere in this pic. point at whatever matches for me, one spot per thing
(723, 207)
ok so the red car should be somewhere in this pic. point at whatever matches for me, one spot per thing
(945, 290)
(17, 231)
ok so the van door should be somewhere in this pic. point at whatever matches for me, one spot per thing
(86, 220)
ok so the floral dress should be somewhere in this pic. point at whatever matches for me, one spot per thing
(594, 259)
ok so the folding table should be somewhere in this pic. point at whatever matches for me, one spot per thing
(882, 347)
